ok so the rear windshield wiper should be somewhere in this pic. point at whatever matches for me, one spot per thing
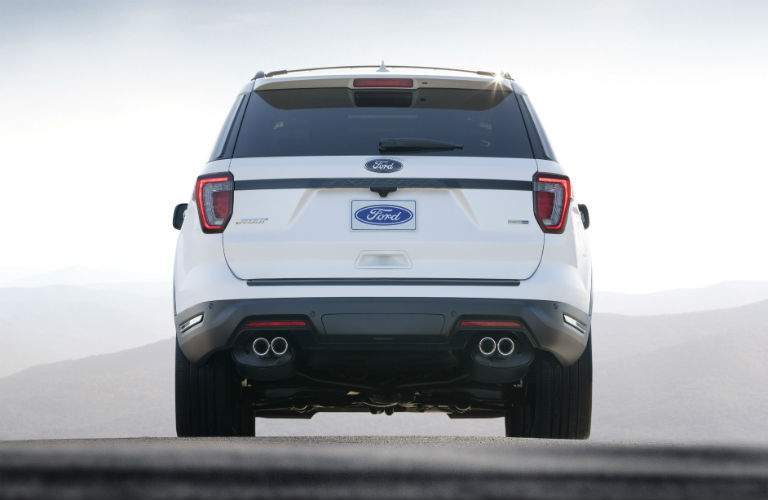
(409, 144)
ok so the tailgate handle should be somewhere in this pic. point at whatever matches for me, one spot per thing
(383, 259)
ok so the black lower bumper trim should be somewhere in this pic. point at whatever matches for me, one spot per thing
(543, 321)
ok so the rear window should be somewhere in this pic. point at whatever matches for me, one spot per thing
(339, 121)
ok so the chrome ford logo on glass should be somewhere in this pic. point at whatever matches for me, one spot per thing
(374, 215)
(383, 166)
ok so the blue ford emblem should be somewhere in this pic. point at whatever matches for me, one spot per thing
(383, 215)
(383, 166)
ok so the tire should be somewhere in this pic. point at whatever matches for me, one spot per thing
(558, 400)
(208, 399)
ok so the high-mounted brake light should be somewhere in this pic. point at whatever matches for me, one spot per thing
(551, 200)
(383, 83)
(472, 323)
(276, 324)
(214, 194)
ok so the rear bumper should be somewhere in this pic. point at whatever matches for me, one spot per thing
(383, 323)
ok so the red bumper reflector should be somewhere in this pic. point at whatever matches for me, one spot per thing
(470, 323)
(275, 324)
(400, 83)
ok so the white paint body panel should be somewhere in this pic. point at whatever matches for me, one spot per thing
(563, 274)
(461, 233)
(201, 275)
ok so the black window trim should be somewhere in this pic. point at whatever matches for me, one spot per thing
(234, 129)
(534, 133)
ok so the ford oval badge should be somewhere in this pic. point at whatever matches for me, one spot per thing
(383, 215)
(383, 166)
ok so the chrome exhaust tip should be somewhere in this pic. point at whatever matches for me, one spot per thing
(505, 346)
(486, 346)
(260, 347)
(279, 346)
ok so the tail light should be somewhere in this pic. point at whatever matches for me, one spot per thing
(214, 194)
(551, 200)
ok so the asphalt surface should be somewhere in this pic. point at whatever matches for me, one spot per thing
(375, 467)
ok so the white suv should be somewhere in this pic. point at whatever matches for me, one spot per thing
(383, 239)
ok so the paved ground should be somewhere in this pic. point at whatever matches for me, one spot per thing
(376, 467)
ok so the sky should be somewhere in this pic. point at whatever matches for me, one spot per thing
(108, 112)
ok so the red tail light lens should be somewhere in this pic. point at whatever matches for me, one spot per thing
(551, 200)
(214, 195)
(383, 83)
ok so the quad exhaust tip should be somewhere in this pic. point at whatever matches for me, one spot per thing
(486, 346)
(505, 346)
(279, 346)
(261, 347)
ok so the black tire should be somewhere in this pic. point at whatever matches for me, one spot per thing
(209, 399)
(558, 400)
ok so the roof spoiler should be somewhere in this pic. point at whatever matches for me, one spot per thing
(380, 68)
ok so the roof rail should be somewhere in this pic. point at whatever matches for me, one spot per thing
(380, 67)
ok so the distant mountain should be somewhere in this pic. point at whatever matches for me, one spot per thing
(695, 377)
(53, 323)
(720, 296)
(692, 377)
(128, 393)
